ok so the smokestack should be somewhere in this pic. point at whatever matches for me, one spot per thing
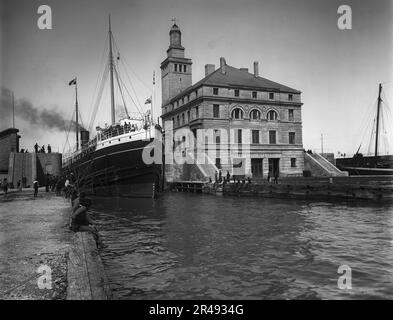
(209, 68)
(223, 65)
(256, 69)
(84, 138)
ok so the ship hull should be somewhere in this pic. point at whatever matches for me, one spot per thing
(367, 165)
(117, 170)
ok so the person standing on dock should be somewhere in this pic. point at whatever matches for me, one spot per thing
(35, 186)
(36, 147)
(228, 176)
(220, 176)
(276, 177)
(4, 186)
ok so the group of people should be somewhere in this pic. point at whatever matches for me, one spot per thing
(41, 149)
(117, 129)
(227, 179)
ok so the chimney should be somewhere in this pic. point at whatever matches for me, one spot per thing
(256, 69)
(223, 65)
(209, 68)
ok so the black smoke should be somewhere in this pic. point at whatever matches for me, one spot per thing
(26, 111)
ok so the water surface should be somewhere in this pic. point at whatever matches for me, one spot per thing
(192, 246)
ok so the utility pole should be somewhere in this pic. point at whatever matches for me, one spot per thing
(321, 142)
(378, 112)
(13, 110)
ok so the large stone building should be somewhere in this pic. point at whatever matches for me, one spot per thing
(256, 124)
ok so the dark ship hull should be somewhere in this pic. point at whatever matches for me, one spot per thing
(367, 165)
(117, 170)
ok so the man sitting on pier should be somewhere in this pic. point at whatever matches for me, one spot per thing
(80, 218)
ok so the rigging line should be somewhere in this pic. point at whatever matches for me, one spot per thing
(129, 78)
(371, 137)
(68, 132)
(125, 87)
(100, 72)
(121, 93)
(367, 123)
(125, 63)
(99, 97)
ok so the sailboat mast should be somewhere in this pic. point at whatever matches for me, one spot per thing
(378, 112)
(76, 115)
(111, 73)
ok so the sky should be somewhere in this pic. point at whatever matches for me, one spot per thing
(297, 43)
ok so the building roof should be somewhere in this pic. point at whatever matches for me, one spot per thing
(234, 77)
(8, 131)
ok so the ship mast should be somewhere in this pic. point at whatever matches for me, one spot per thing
(111, 74)
(76, 115)
(378, 112)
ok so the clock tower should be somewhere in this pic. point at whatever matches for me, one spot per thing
(176, 73)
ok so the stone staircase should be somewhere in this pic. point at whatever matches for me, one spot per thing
(319, 166)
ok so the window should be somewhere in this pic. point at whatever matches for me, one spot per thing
(290, 97)
(184, 68)
(272, 115)
(182, 101)
(238, 137)
(188, 98)
(290, 115)
(293, 162)
(178, 120)
(255, 114)
(196, 112)
(216, 111)
(196, 93)
(272, 137)
(255, 136)
(254, 94)
(236, 92)
(237, 113)
(188, 116)
(215, 91)
(183, 118)
(271, 95)
(175, 67)
(292, 138)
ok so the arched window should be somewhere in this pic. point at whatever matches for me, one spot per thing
(272, 115)
(237, 113)
(255, 114)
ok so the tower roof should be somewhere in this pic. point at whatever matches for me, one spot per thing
(175, 28)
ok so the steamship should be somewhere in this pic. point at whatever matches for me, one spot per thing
(112, 163)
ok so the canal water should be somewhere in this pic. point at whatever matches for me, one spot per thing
(192, 246)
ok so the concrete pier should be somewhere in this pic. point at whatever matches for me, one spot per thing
(367, 188)
(35, 241)
(33, 234)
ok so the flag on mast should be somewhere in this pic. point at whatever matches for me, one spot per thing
(148, 100)
(73, 81)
